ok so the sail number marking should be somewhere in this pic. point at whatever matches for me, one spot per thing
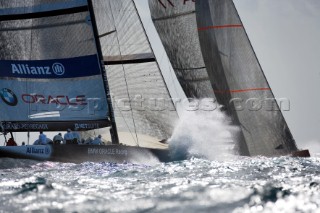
(171, 3)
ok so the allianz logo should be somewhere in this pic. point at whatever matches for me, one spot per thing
(25, 69)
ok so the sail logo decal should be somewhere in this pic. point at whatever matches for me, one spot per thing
(83, 66)
(25, 69)
(8, 97)
(58, 68)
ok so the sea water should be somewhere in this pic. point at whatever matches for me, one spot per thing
(243, 184)
(212, 179)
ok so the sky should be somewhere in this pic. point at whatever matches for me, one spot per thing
(285, 35)
(286, 38)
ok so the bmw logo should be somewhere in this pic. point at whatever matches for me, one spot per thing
(8, 97)
(58, 68)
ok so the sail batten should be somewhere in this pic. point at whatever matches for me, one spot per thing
(129, 59)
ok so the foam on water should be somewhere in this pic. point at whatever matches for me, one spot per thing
(207, 134)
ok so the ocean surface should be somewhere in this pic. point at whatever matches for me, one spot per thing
(238, 184)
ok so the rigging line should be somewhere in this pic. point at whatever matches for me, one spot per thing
(124, 73)
(126, 124)
(144, 30)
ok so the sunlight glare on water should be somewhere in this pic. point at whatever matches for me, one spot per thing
(195, 185)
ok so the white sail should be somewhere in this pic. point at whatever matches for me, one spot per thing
(142, 103)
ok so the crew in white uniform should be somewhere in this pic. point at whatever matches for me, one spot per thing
(42, 138)
(68, 137)
(96, 141)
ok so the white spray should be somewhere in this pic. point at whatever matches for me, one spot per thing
(201, 133)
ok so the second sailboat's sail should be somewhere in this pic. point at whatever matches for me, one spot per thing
(176, 24)
(238, 80)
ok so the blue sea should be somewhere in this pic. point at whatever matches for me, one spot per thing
(240, 184)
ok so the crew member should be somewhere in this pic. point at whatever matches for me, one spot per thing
(76, 136)
(97, 141)
(42, 138)
(57, 139)
(68, 137)
(11, 142)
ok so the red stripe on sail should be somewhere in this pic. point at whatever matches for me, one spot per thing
(241, 90)
(220, 27)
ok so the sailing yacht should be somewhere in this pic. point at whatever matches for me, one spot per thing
(78, 64)
(213, 58)
(88, 65)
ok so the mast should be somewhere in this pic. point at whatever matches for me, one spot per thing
(113, 131)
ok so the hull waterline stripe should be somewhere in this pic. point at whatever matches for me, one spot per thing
(220, 27)
(242, 90)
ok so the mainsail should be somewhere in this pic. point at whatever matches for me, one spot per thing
(238, 80)
(50, 75)
(176, 24)
(142, 103)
